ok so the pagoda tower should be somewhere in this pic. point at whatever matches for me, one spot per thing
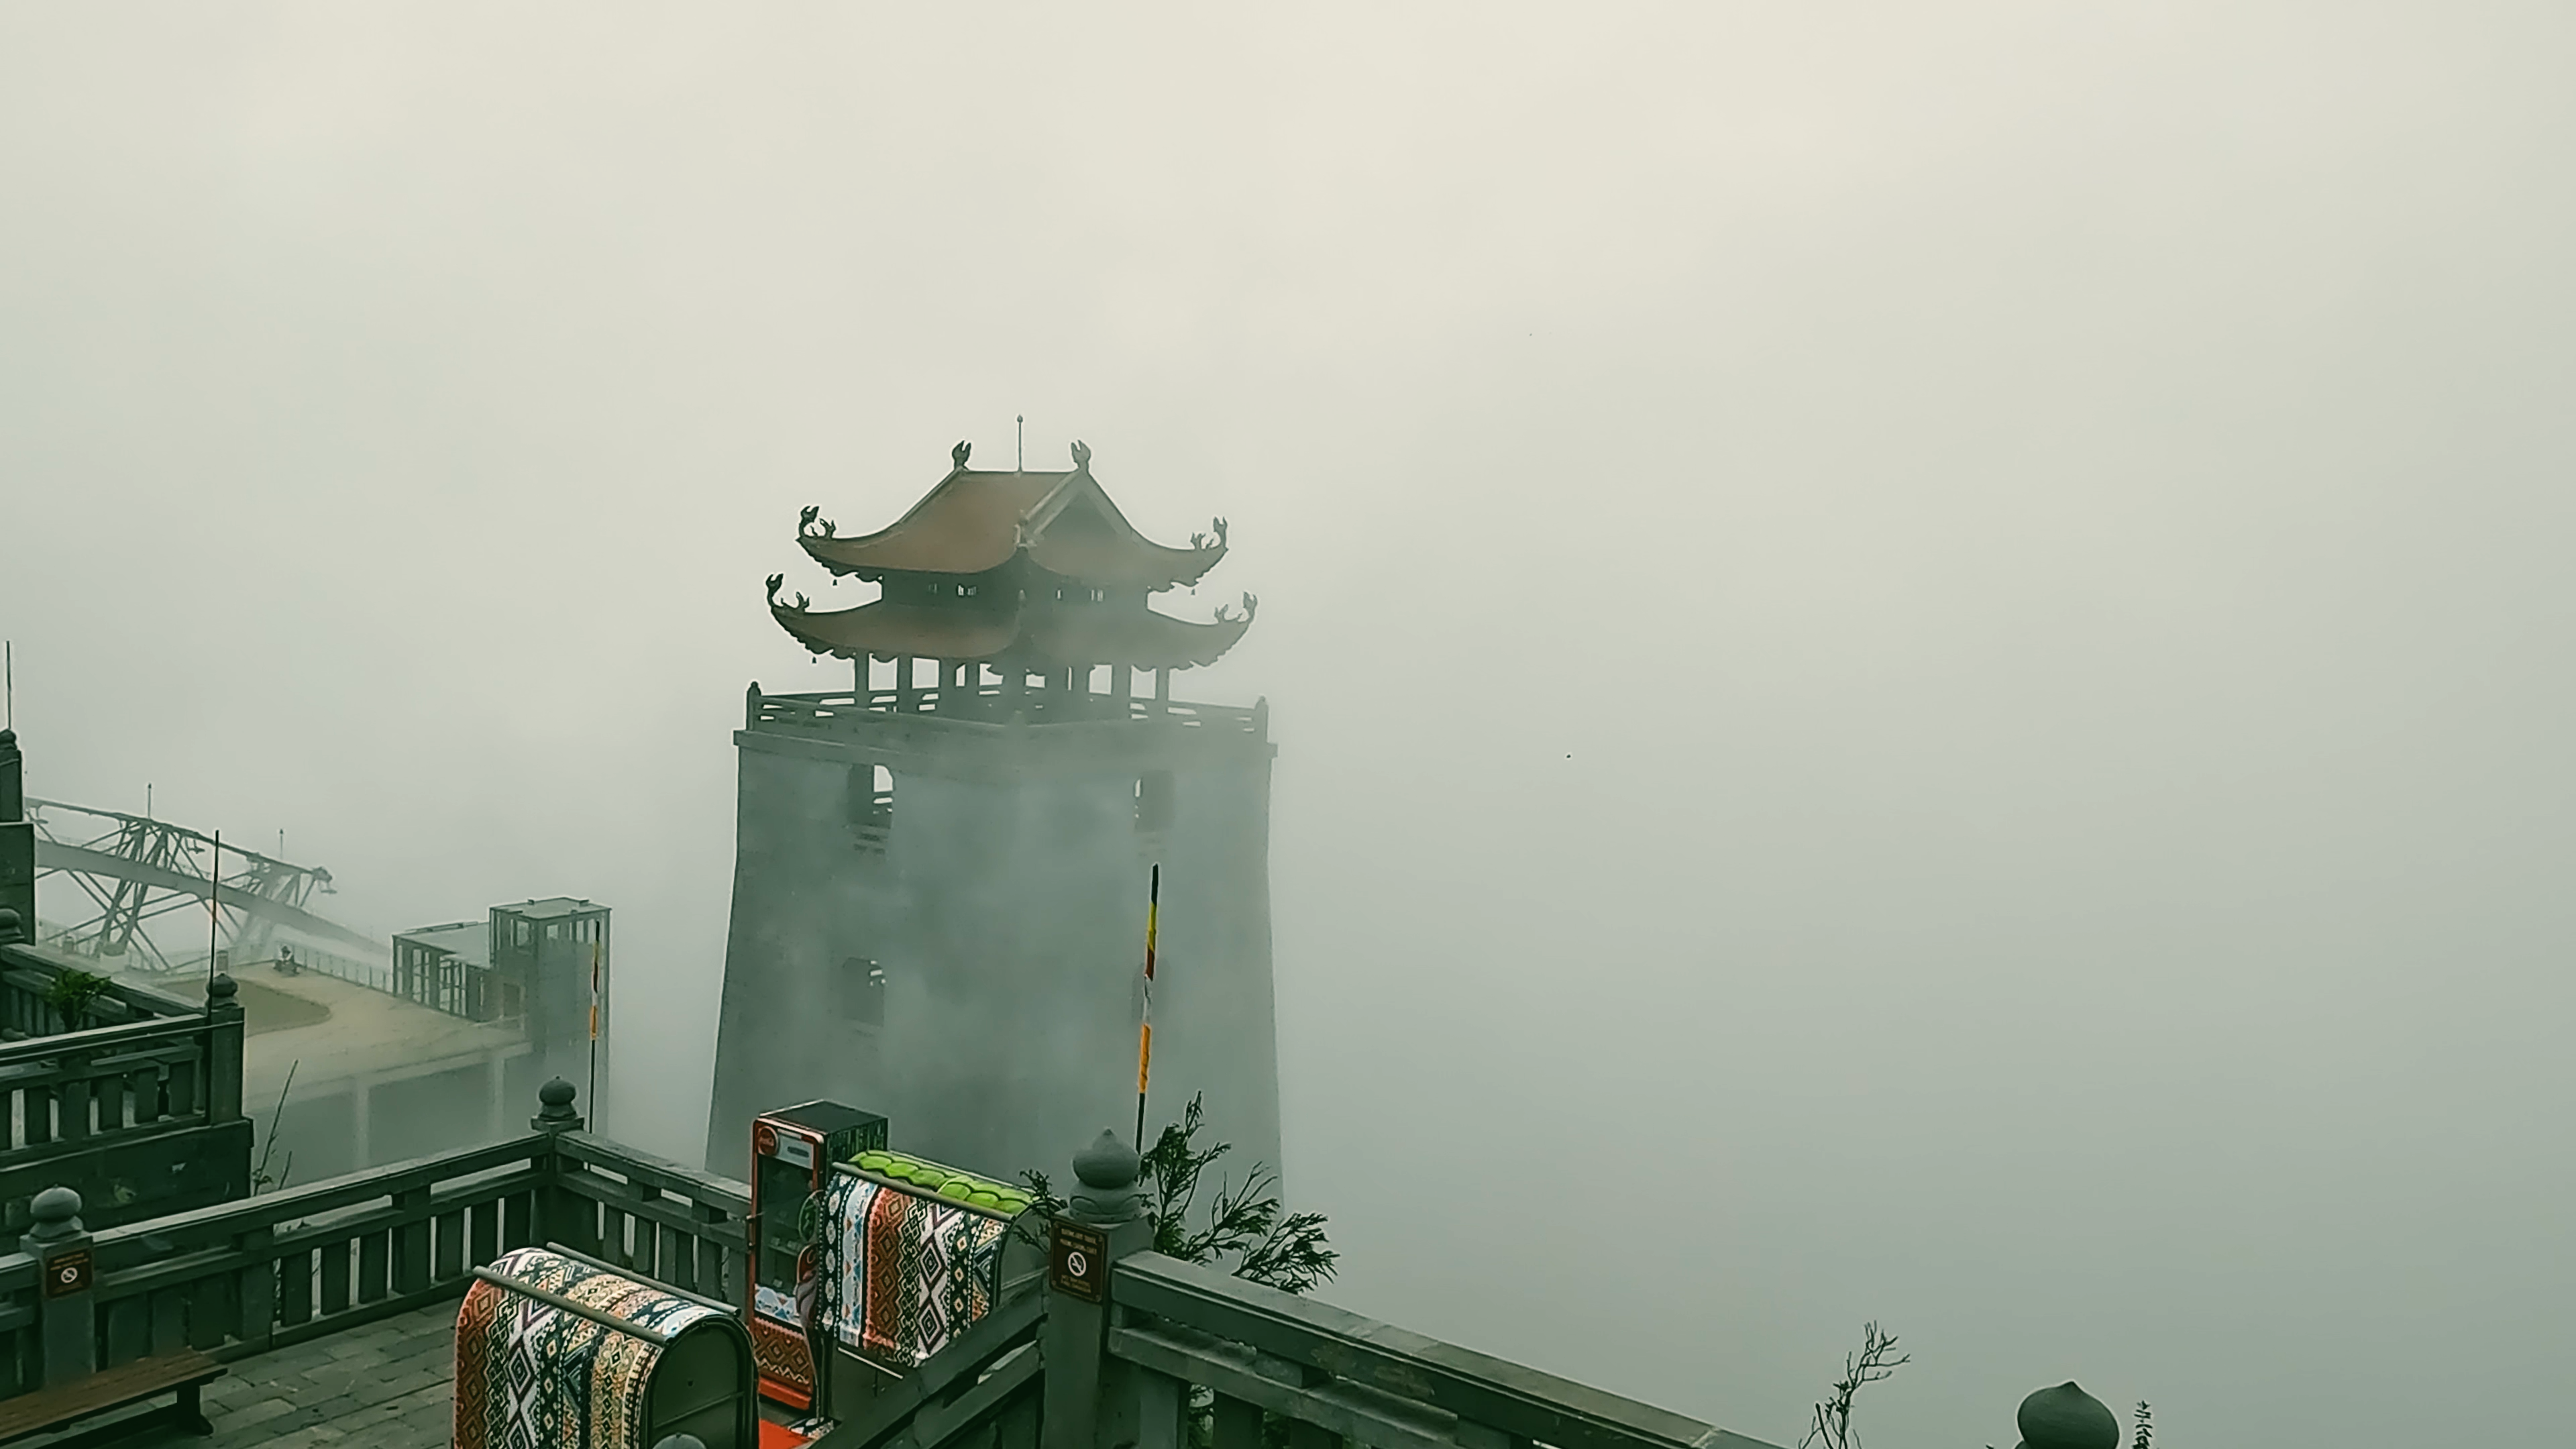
(940, 873)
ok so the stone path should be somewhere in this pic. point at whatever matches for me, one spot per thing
(385, 1386)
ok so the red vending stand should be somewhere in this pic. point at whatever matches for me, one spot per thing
(792, 1152)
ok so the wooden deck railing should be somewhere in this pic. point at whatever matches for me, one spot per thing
(277, 1269)
(1148, 1352)
(1121, 1349)
(26, 977)
(142, 1118)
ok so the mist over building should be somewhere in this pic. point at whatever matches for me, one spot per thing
(941, 875)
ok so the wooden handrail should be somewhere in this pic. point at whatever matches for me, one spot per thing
(1510, 1397)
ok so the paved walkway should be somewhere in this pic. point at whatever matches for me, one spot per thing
(386, 1386)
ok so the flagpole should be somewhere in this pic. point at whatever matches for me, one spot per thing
(1145, 1024)
(590, 1093)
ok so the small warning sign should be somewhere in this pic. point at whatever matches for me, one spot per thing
(1078, 1262)
(68, 1274)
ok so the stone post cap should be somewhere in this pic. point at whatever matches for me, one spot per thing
(2066, 1417)
(1107, 1171)
(221, 992)
(11, 928)
(554, 1112)
(681, 1441)
(57, 1214)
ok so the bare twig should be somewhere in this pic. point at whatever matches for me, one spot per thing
(1877, 1361)
(259, 1177)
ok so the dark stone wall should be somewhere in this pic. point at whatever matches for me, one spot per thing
(1007, 913)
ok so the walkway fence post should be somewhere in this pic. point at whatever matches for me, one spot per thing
(2066, 1417)
(559, 1214)
(66, 1287)
(1090, 1401)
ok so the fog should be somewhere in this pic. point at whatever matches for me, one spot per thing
(1918, 652)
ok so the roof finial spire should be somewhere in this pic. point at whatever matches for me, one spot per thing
(1081, 456)
(957, 455)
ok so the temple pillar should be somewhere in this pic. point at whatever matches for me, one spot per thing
(903, 684)
(1163, 690)
(1122, 688)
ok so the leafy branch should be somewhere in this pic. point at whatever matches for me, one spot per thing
(1268, 1244)
(72, 992)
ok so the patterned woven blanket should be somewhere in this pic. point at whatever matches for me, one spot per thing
(902, 1276)
(531, 1376)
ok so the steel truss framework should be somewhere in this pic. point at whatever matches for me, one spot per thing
(136, 869)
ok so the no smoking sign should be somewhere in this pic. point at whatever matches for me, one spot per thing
(1076, 1257)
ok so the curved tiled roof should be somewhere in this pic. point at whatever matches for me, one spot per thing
(974, 522)
(1041, 634)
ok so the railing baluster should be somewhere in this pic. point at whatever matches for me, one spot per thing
(411, 1242)
(169, 1314)
(374, 1261)
(295, 1288)
(212, 1313)
(482, 1234)
(335, 1277)
(447, 1255)
(127, 1332)
(1238, 1423)
(184, 1072)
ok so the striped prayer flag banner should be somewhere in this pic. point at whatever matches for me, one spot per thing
(1145, 1025)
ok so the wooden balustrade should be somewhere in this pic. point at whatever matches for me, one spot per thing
(26, 978)
(265, 1272)
(1135, 1349)
(1138, 1347)
(141, 1118)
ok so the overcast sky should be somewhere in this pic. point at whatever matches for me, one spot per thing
(1919, 651)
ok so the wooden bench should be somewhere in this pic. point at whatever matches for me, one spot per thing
(66, 1404)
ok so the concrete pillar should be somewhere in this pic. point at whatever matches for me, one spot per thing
(361, 1112)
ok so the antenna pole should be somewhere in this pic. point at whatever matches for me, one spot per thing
(1022, 465)
(214, 911)
(9, 663)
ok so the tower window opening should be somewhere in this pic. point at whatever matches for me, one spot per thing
(863, 988)
(870, 806)
(1153, 802)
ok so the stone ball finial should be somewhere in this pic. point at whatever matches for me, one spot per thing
(681, 1441)
(57, 1213)
(2066, 1417)
(1107, 1164)
(554, 1108)
(221, 990)
(11, 928)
